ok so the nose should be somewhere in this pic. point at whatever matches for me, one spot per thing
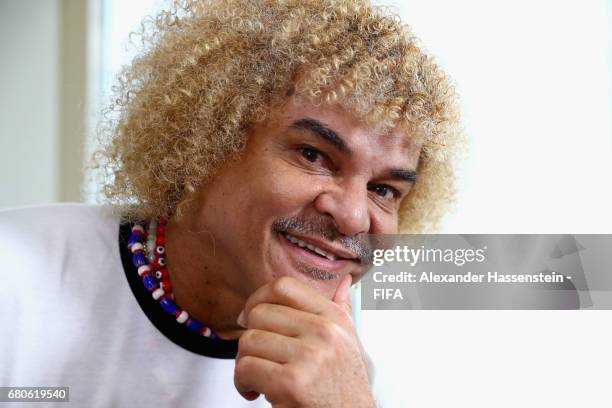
(347, 204)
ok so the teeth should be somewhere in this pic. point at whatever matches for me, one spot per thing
(320, 252)
(313, 248)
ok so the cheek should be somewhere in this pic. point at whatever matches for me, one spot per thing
(384, 223)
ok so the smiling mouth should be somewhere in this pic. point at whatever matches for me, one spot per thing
(316, 262)
(309, 247)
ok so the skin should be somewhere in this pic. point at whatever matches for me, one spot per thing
(232, 266)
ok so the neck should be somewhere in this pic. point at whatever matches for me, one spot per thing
(197, 278)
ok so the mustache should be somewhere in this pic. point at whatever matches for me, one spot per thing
(327, 229)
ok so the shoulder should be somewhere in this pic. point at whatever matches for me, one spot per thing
(36, 235)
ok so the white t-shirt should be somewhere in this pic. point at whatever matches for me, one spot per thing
(71, 315)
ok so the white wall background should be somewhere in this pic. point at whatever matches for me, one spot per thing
(29, 95)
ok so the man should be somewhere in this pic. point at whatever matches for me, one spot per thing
(255, 146)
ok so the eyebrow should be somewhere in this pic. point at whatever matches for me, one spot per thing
(409, 176)
(323, 131)
(331, 136)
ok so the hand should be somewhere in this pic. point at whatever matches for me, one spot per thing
(300, 349)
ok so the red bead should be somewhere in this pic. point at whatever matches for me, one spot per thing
(160, 240)
(162, 274)
(161, 230)
(159, 262)
(166, 286)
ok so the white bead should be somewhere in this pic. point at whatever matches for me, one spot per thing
(137, 228)
(137, 247)
(206, 332)
(143, 268)
(182, 317)
(157, 293)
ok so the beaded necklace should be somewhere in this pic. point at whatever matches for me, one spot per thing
(151, 265)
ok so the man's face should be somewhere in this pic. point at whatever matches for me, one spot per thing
(311, 183)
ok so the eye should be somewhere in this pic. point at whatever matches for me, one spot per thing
(385, 191)
(313, 160)
(311, 154)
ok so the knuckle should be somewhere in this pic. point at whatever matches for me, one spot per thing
(243, 366)
(295, 384)
(327, 331)
(257, 313)
(317, 356)
(309, 351)
(314, 354)
(282, 286)
(246, 339)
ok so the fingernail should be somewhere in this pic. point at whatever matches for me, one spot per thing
(242, 320)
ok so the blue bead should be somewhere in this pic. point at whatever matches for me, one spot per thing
(169, 306)
(194, 325)
(150, 282)
(134, 238)
(139, 259)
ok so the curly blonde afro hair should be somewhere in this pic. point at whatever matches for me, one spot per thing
(209, 69)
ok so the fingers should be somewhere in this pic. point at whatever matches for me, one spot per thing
(292, 293)
(280, 319)
(254, 376)
(342, 296)
(268, 345)
(289, 292)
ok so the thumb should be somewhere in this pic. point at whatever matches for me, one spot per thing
(341, 297)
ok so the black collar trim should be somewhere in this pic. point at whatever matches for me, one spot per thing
(165, 323)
